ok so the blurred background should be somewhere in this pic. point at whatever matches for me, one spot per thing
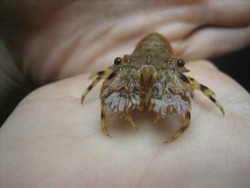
(236, 65)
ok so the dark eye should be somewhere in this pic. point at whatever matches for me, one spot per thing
(117, 61)
(180, 63)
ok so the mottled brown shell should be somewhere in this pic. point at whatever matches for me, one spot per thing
(151, 77)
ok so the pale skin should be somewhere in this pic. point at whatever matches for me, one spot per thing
(51, 140)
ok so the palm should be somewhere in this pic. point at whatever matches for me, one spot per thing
(50, 140)
(63, 142)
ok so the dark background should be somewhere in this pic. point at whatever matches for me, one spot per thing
(237, 65)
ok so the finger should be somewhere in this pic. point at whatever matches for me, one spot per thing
(226, 13)
(210, 42)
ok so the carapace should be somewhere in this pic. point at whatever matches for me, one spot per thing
(151, 77)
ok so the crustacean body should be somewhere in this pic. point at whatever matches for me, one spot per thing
(151, 77)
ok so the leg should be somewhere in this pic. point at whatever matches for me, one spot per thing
(158, 117)
(206, 91)
(103, 122)
(94, 74)
(129, 118)
(182, 129)
(100, 75)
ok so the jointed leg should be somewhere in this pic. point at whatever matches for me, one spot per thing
(129, 118)
(158, 117)
(206, 91)
(100, 75)
(103, 122)
(94, 74)
(182, 129)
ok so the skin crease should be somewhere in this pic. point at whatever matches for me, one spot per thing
(50, 140)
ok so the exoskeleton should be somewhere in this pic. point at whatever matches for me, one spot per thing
(151, 77)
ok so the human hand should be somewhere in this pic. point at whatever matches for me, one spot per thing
(62, 39)
(50, 140)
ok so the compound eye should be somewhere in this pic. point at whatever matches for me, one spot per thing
(117, 61)
(180, 63)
